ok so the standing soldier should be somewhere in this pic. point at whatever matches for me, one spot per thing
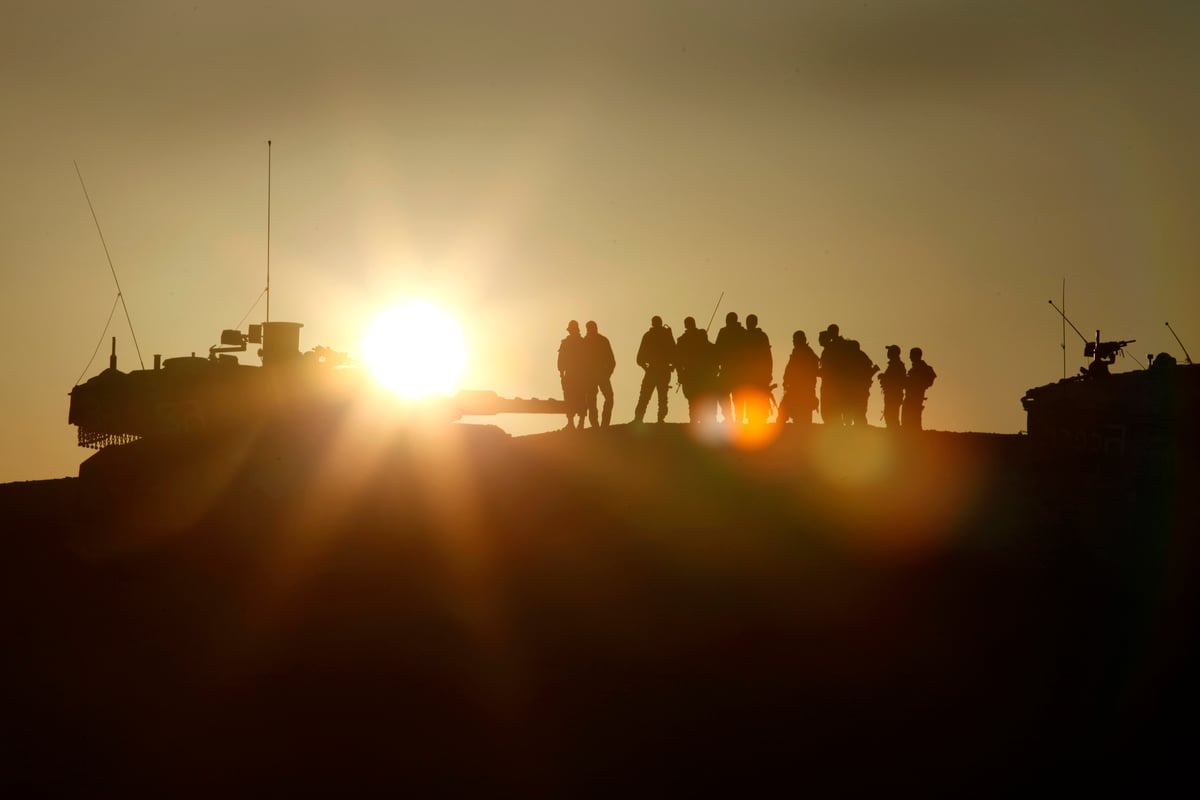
(920, 378)
(599, 363)
(832, 372)
(891, 381)
(572, 373)
(759, 369)
(860, 370)
(656, 355)
(799, 382)
(729, 347)
(697, 371)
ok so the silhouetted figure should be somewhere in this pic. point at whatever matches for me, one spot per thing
(758, 371)
(696, 366)
(599, 363)
(656, 355)
(891, 381)
(730, 347)
(920, 377)
(833, 376)
(1162, 361)
(799, 382)
(860, 371)
(573, 374)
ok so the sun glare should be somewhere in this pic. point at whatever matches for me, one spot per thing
(416, 349)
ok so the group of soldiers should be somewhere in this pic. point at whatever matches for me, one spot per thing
(732, 376)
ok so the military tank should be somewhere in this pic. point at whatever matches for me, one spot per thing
(1116, 414)
(197, 433)
(208, 395)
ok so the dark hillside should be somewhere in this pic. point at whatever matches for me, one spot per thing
(588, 612)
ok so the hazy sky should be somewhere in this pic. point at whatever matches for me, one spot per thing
(922, 173)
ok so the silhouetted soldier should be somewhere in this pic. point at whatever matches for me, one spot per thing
(892, 381)
(759, 369)
(799, 382)
(832, 372)
(655, 355)
(697, 370)
(572, 372)
(599, 363)
(730, 346)
(860, 371)
(920, 378)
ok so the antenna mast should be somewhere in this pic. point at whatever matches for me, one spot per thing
(1082, 338)
(1064, 326)
(112, 269)
(268, 289)
(714, 313)
(1185, 352)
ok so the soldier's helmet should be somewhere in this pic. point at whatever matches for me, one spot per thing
(798, 338)
(893, 351)
(656, 321)
(833, 330)
(591, 326)
(752, 321)
(572, 327)
(689, 323)
(731, 318)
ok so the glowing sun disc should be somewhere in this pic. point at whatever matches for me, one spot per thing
(416, 349)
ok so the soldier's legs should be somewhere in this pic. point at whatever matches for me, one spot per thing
(639, 413)
(910, 418)
(592, 414)
(662, 383)
(569, 401)
(891, 412)
(607, 391)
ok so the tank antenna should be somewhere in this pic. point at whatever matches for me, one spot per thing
(268, 289)
(1082, 338)
(111, 268)
(1185, 352)
(714, 313)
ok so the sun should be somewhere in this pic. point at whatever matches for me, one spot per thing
(416, 349)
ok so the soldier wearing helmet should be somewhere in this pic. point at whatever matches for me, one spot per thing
(920, 378)
(599, 365)
(891, 381)
(656, 356)
(572, 373)
(799, 383)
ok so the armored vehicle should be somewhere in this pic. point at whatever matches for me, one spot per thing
(1099, 412)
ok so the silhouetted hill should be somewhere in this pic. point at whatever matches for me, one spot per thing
(599, 611)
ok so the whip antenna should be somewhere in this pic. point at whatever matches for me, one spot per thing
(1082, 338)
(714, 313)
(268, 289)
(111, 268)
(1064, 327)
(1185, 352)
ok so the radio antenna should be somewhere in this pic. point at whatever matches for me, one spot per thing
(268, 289)
(1064, 326)
(1185, 352)
(1082, 338)
(714, 313)
(111, 268)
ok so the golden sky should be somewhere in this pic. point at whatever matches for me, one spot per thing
(924, 173)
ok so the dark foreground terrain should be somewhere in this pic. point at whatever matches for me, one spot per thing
(627, 610)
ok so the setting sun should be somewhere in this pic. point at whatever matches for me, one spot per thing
(416, 349)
